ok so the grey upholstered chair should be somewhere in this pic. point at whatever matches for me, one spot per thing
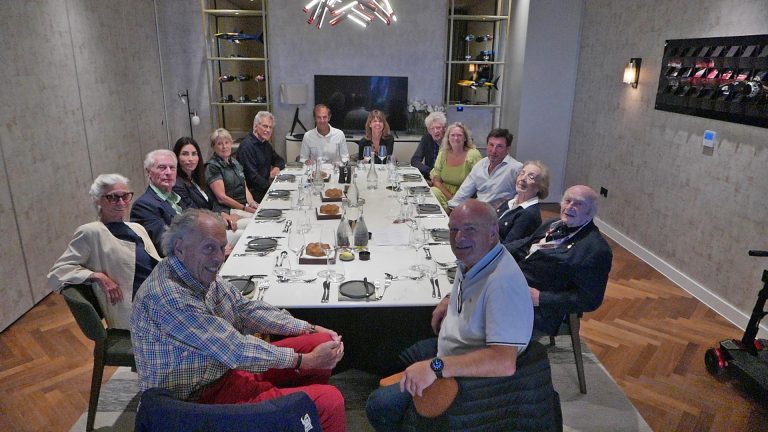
(113, 347)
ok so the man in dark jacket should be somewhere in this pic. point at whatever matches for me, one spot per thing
(159, 204)
(426, 153)
(565, 261)
(261, 164)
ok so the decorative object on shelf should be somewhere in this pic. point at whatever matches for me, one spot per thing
(361, 12)
(238, 36)
(481, 38)
(721, 78)
(194, 120)
(418, 110)
(294, 94)
(482, 82)
(632, 72)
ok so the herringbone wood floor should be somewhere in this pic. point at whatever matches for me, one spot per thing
(649, 334)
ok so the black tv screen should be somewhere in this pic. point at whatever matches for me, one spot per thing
(351, 98)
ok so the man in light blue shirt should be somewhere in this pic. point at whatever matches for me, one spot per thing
(493, 178)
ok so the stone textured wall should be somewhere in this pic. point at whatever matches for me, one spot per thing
(699, 212)
(79, 98)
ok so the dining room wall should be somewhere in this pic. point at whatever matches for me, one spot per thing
(79, 98)
(692, 213)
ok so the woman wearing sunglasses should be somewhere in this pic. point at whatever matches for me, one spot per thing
(113, 255)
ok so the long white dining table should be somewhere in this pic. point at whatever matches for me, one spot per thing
(388, 247)
(374, 331)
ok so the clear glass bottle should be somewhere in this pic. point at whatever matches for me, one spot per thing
(344, 231)
(353, 193)
(372, 178)
(361, 231)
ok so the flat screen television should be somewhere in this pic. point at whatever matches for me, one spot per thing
(352, 97)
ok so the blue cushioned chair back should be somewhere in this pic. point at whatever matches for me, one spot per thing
(85, 308)
(159, 411)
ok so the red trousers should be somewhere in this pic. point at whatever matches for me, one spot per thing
(237, 386)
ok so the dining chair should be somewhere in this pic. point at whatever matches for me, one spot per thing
(113, 346)
(570, 326)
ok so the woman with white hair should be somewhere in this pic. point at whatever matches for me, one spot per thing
(113, 255)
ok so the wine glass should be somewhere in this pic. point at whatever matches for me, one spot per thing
(367, 154)
(328, 237)
(295, 244)
(383, 154)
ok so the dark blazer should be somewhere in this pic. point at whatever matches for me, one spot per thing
(571, 277)
(519, 223)
(192, 198)
(257, 158)
(387, 141)
(154, 214)
(424, 156)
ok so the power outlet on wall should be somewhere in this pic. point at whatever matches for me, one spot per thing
(604, 192)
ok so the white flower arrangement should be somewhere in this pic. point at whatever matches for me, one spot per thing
(419, 105)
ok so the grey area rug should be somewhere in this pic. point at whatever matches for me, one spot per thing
(603, 408)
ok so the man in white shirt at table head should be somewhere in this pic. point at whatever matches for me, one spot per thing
(324, 140)
(493, 178)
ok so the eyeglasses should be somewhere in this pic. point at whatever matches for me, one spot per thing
(114, 198)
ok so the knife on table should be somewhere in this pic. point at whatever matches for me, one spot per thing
(432, 281)
(437, 284)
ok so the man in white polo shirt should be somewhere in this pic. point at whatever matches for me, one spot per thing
(324, 140)
(493, 178)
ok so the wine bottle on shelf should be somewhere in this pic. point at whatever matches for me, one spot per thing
(361, 231)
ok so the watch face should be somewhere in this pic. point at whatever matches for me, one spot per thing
(437, 364)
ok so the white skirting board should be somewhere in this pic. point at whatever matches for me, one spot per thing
(719, 305)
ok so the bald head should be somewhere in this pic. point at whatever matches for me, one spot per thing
(473, 231)
(578, 206)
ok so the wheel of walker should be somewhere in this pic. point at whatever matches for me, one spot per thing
(714, 361)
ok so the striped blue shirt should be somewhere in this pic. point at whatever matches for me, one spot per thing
(186, 336)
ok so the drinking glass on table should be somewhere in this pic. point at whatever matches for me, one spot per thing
(328, 236)
(394, 183)
(295, 244)
(417, 237)
(304, 223)
(383, 154)
(367, 154)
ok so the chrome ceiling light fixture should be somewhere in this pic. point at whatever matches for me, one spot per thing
(360, 12)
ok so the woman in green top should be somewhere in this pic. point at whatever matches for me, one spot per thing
(455, 160)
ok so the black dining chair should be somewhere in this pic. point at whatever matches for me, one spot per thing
(570, 326)
(113, 346)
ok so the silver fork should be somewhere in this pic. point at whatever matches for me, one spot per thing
(387, 283)
(263, 287)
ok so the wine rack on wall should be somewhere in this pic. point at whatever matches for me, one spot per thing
(724, 78)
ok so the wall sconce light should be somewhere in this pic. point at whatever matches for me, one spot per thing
(192, 115)
(632, 72)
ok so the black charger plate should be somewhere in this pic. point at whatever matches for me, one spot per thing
(262, 244)
(245, 285)
(357, 289)
(269, 213)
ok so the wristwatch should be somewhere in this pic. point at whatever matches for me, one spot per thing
(437, 366)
